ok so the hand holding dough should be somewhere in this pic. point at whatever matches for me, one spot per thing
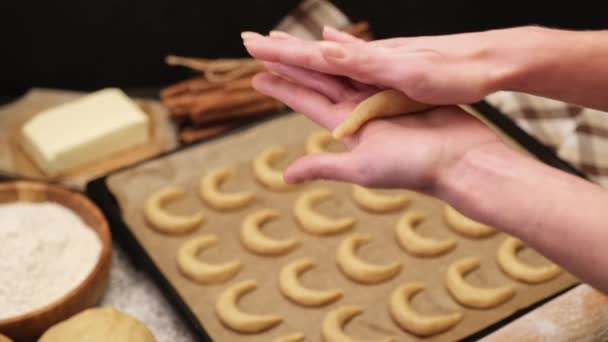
(472, 296)
(314, 222)
(211, 193)
(164, 221)
(317, 142)
(332, 329)
(464, 225)
(385, 103)
(410, 320)
(416, 244)
(266, 174)
(359, 270)
(229, 313)
(379, 203)
(291, 288)
(513, 267)
(255, 241)
(199, 271)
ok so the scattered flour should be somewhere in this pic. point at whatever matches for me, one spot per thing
(46, 250)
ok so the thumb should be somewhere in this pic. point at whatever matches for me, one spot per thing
(330, 33)
(331, 166)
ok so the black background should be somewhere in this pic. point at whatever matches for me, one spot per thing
(88, 44)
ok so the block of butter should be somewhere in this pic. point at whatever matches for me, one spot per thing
(91, 128)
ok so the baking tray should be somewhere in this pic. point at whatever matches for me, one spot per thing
(100, 193)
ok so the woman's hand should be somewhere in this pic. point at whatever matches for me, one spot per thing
(405, 152)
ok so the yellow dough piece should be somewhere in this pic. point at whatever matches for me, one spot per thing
(359, 270)
(465, 226)
(472, 296)
(314, 222)
(291, 288)
(379, 203)
(416, 244)
(514, 268)
(266, 174)
(255, 241)
(318, 141)
(164, 221)
(229, 313)
(295, 337)
(382, 104)
(332, 329)
(210, 191)
(201, 272)
(410, 320)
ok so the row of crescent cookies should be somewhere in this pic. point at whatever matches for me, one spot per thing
(353, 267)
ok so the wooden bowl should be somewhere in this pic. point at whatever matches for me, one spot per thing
(30, 326)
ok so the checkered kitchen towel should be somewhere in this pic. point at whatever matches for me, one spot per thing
(577, 135)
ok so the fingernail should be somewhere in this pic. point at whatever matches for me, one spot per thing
(279, 34)
(333, 50)
(248, 35)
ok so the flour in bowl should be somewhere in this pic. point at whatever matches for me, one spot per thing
(46, 251)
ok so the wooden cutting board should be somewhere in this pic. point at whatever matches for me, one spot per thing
(14, 163)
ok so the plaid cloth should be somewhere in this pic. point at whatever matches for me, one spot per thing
(577, 135)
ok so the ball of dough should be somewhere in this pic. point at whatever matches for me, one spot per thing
(99, 325)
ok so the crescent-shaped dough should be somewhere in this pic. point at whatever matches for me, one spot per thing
(464, 225)
(472, 296)
(379, 203)
(317, 142)
(410, 320)
(382, 104)
(201, 272)
(359, 270)
(255, 241)
(164, 221)
(266, 174)
(291, 288)
(416, 244)
(514, 268)
(211, 193)
(295, 337)
(229, 313)
(332, 329)
(314, 222)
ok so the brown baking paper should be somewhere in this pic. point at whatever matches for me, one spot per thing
(14, 162)
(132, 186)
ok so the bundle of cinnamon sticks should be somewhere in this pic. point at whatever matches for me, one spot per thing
(221, 97)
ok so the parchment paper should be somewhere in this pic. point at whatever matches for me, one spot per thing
(132, 186)
(14, 162)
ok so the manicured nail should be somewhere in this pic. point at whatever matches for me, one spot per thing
(279, 34)
(248, 35)
(333, 50)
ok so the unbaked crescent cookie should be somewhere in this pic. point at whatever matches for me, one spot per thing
(473, 296)
(359, 270)
(231, 315)
(410, 320)
(210, 191)
(290, 286)
(192, 267)
(376, 202)
(332, 328)
(254, 239)
(317, 223)
(318, 141)
(464, 225)
(295, 337)
(382, 104)
(416, 244)
(514, 268)
(165, 222)
(264, 171)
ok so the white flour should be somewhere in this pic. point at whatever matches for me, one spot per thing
(46, 250)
